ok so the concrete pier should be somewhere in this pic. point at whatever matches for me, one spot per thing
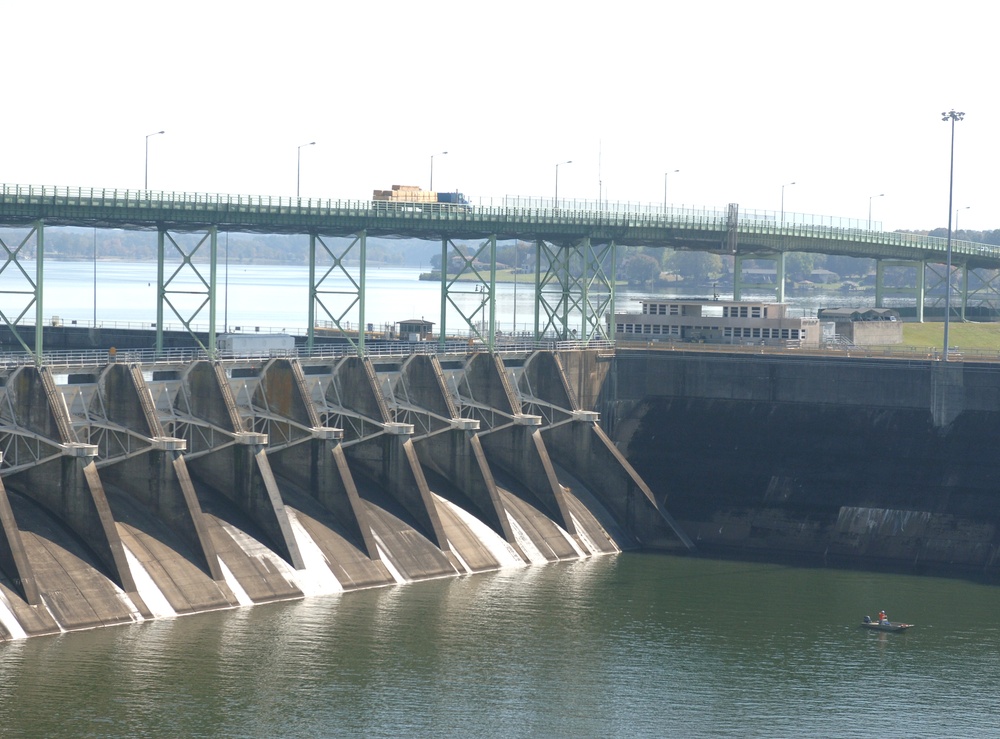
(129, 492)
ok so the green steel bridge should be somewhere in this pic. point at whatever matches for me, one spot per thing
(575, 247)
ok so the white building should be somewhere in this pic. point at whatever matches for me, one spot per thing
(717, 322)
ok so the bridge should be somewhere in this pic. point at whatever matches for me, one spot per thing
(575, 249)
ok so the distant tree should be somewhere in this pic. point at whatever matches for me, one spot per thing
(849, 266)
(799, 265)
(991, 237)
(700, 266)
(641, 268)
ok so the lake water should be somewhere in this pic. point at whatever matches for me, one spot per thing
(629, 645)
(275, 298)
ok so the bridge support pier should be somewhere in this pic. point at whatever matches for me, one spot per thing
(779, 274)
(342, 301)
(585, 274)
(916, 290)
(37, 230)
(481, 320)
(173, 296)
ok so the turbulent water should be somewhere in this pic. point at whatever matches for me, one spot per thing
(626, 645)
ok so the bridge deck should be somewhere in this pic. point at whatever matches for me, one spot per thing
(698, 229)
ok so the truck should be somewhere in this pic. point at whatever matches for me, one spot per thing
(411, 197)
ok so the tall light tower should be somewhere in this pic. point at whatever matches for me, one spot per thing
(956, 216)
(555, 203)
(145, 182)
(952, 116)
(298, 168)
(439, 154)
(870, 197)
(783, 201)
(665, 189)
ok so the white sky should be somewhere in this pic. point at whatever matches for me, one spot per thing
(842, 98)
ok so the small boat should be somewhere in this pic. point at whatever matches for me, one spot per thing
(868, 623)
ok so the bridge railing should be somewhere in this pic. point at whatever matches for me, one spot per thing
(509, 209)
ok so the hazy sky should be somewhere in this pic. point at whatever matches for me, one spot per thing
(844, 99)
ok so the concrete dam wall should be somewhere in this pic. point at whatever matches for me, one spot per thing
(881, 464)
(132, 491)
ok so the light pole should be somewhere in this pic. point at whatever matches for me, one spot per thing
(298, 168)
(665, 189)
(556, 201)
(783, 201)
(952, 116)
(880, 195)
(145, 182)
(439, 154)
(956, 216)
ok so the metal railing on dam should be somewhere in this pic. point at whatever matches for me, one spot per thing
(62, 361)
(510, 218)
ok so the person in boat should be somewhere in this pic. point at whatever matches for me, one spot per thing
(882, 618)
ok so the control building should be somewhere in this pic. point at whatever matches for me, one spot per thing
(717, 322)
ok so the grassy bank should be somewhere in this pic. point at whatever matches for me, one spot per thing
(968, 336)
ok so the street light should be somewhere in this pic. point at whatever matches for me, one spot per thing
(956, 216)
(145, 182)
(439, 154)
(880, 195)
(556, 203)
(665, 189)
(783, 202)
(952, 116)
(298, 169)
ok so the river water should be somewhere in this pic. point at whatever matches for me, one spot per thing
(637, 645)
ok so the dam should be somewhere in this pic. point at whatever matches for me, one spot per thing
(134, 490)
(850, 461)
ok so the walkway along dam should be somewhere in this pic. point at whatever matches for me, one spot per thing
(131, 491)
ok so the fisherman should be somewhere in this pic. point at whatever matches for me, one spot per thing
(882, 618)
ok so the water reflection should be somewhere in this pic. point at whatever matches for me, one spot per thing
(635, 645)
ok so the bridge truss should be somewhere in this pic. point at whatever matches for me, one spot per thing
(573, 287)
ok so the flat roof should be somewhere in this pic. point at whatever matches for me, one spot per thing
(705, 301)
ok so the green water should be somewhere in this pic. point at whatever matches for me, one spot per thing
(630, 645)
